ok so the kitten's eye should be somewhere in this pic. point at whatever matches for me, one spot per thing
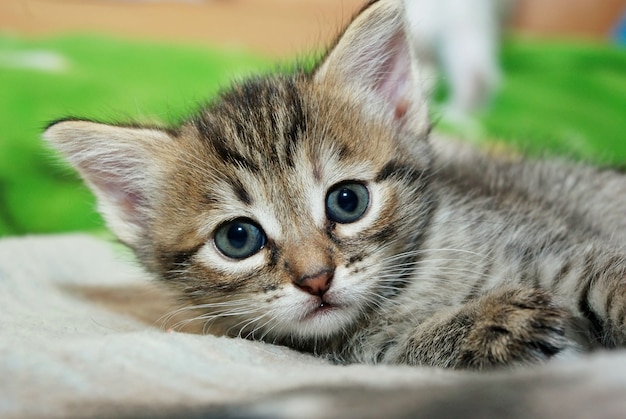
(239, 239)
(347, 202)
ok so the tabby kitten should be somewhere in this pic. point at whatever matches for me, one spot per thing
(311, 210)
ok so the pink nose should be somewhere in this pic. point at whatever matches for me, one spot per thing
(316, 284)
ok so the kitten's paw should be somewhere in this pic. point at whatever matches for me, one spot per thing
(514, 327)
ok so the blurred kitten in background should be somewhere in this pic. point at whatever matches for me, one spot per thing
(461, 39)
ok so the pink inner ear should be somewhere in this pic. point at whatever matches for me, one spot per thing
(394, 76)
(129, 203)
(117, 185)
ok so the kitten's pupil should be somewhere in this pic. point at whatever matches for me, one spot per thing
(239, 239)
(237, 236)
(347, 202)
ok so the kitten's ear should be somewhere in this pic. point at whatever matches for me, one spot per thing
(121, 167)
(375, 56)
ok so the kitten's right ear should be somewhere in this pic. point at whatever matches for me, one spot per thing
(121, 167)
(374, 58)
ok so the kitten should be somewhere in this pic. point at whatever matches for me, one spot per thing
(312, 210)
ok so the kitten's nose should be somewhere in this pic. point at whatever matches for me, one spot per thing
(316, 284)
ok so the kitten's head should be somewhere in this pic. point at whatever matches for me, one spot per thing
(286, 206)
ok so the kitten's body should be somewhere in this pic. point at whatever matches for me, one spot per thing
(311, 210)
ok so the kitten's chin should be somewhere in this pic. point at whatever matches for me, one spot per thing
(311, 317)
(323, 320)
(324, 309)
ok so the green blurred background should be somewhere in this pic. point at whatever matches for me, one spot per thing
(105, 79)
(561, 97)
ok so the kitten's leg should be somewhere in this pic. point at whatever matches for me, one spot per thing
(512, 326)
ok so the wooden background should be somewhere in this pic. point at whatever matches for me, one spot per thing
(271, 27)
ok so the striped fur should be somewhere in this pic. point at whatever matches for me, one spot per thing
(462, 259)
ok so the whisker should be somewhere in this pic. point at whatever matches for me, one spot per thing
(419, 252)
(216, 309)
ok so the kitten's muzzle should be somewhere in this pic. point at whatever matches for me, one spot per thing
(317, 284)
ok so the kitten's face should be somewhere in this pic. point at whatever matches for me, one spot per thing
(288, 208)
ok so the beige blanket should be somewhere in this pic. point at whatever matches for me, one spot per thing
(80, 337)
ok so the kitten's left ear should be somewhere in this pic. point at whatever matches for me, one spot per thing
(374, 60)
(124, 167)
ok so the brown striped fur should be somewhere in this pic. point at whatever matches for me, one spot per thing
(463, 259)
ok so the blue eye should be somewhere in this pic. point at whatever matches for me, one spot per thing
(347, 202)
(239, 239)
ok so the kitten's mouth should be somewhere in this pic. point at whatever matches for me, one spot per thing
(323, 308)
